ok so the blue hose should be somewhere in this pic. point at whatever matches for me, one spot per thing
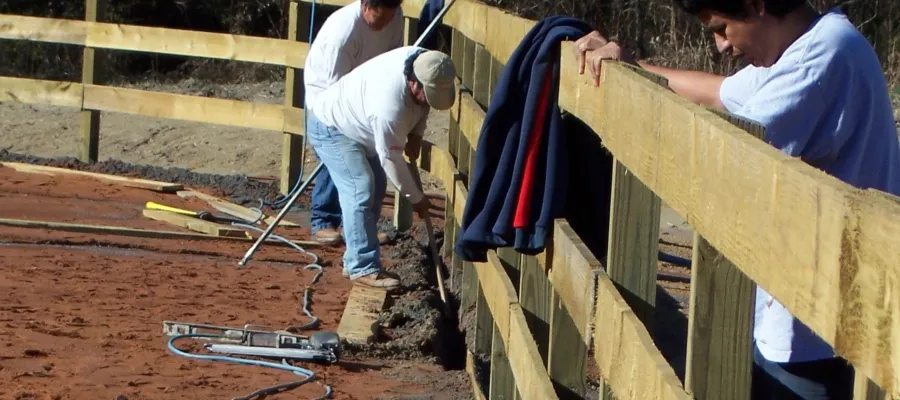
(309, 375)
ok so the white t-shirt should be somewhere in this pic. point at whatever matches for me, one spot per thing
(825, 101)
(373, 106)
(343, 43)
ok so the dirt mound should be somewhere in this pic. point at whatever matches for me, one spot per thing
(239, 189)
(415, 325)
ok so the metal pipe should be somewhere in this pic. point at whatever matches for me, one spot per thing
(281, 214)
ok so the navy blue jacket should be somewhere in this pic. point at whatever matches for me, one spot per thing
(430, 10)
(523, 120)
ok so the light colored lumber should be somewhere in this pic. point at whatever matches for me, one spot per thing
(36, 91)
(440, 165)
(477, 391)
(628, 359)
(459, 201)
(532, 380)
(825, 250)
(89, 120)
(184, 107)
(720, 327)
(572, 273)
(633, 244)
(155, 40)
(121, 180)
(359, 323)
(54, 30)
(133, 232)
(471, 118)
(231, 208)
(195, 224)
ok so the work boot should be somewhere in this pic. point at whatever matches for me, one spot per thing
(389, 274)
(379, 280)
(328, 236)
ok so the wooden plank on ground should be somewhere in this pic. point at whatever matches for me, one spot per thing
(763, 210)
(134, 232)
(231, 208)
(195, 224)
(182, 42)
(359, 323)
(121, 180)
(36, 91)
(719, 355)
(628, 359)
(184, 107)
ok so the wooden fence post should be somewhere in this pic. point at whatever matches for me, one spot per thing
(720, 325)
(91, 73)
(292, 144)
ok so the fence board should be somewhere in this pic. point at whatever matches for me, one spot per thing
(183, 107)
(763, 211)
(629, 361)
(36, 91)
(471, 117)
(91, 73)
(155, 40)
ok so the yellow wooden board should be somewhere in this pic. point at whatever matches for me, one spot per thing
(182, 42)
(195, 224)
(359, 322)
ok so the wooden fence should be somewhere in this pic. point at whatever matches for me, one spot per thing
(827, 251)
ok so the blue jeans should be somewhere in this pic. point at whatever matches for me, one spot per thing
(325, 212)
(361, 183)
(830, 379)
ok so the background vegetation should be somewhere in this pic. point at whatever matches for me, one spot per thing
(655, 28)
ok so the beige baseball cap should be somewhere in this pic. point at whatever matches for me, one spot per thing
(437, 73)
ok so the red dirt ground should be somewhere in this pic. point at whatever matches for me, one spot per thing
(81, 314)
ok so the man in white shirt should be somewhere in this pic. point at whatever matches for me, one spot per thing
(349, 37)
(814, 82)
(360, 128)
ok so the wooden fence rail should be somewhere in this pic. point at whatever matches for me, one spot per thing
(827, 251)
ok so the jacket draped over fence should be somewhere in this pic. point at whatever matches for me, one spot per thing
(518, 183)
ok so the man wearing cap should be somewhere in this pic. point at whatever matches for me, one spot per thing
(360, 128)
(349, 37)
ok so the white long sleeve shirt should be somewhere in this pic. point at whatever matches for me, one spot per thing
(373, 106)
(343, 43)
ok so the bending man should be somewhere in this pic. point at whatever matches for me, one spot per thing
(349, 37)
(360, 129)
(817, 87)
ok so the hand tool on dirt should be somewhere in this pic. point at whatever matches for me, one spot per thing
(320, 347)
(432, 243)
(204, 215)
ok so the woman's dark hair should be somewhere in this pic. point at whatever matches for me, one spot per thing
(382, 3)
(737, 9)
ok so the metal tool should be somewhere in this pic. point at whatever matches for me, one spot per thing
(296, 195)
(280, 216)
(432, 242)
(204, 215)
(321, 347)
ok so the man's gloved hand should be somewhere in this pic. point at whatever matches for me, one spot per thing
(413, 147)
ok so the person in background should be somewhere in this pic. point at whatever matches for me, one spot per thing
(815, 83)
(349, 37)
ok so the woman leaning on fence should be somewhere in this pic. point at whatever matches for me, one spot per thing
(814, 82)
